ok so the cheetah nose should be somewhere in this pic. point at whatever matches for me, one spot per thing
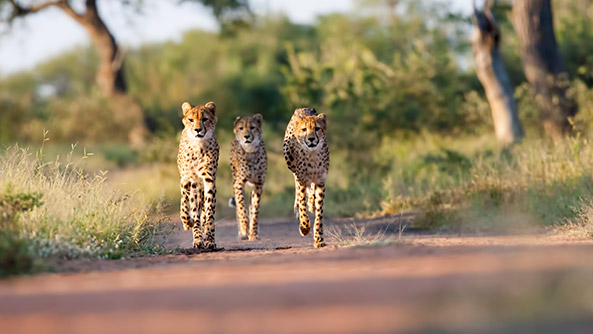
(311, 139)
(246, 137)
(198, 130)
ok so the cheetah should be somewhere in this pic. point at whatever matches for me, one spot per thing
(197, 161)
(249, 165)
(307, 155)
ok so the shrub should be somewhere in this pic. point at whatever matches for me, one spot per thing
(16, 253)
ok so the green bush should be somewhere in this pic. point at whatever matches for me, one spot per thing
(17, 254)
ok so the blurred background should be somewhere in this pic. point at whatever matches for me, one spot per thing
(466, 123)
(98, 85)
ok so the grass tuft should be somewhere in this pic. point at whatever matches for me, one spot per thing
(355, 235)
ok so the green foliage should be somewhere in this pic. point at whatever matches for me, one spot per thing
(574, 30)
(17, 255)
(12, 203)
(121, 155)
(419, 88)
(16, 252)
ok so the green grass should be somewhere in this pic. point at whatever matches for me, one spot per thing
(75, 213)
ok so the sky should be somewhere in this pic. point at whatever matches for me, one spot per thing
(40, 36)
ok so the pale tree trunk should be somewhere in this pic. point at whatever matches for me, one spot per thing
(543, 64)
(493, 76)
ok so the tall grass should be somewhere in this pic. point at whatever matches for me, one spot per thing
(452, 183)
(537, 183)
(78, 213)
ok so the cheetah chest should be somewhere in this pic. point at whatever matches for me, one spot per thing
(197, 160)
(312, 166)
(251, 167)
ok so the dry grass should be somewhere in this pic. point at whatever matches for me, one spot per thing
(80, 214)
(356, 235)
(538, 183)
(581, 225)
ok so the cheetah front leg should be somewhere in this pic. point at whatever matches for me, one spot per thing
(196, 202)
(318, 227)
(184, 211)
(305, 225)
(254, 211)
(241, 210)
(208, 211)
(311, 198)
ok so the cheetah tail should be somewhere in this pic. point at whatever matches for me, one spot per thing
(232, 202)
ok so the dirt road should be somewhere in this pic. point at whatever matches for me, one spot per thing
(419, 284)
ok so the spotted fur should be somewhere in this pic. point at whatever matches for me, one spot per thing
(249, 165)
(307, 155)
(197, 161)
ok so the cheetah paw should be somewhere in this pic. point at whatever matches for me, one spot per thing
(304, 230)
(210, 245)
(320, 244)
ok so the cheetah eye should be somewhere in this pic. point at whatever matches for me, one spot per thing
(317, 128)
(205, 119)
(191, 120)
(253, 128)
(240, 128)
(304, 129)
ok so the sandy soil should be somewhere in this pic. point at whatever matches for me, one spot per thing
(419, 283)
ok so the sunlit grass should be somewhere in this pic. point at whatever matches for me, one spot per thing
(537, 183)
(80, 214)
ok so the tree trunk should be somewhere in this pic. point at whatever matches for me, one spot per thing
(110, 76)
(543, 64)
(493, 76)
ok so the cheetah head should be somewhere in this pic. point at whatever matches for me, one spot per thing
(199, 121)
(310, 131)
(248, 130)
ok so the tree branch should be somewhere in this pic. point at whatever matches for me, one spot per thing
(65, 6)
(19, 11)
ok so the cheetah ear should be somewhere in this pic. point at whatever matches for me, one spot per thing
(236, 120)
(185, 107)
(258, 118)
(322, 119)
(210, 105)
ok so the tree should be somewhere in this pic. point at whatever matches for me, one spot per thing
(543, 64)
(110, 76)
(492, 74)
